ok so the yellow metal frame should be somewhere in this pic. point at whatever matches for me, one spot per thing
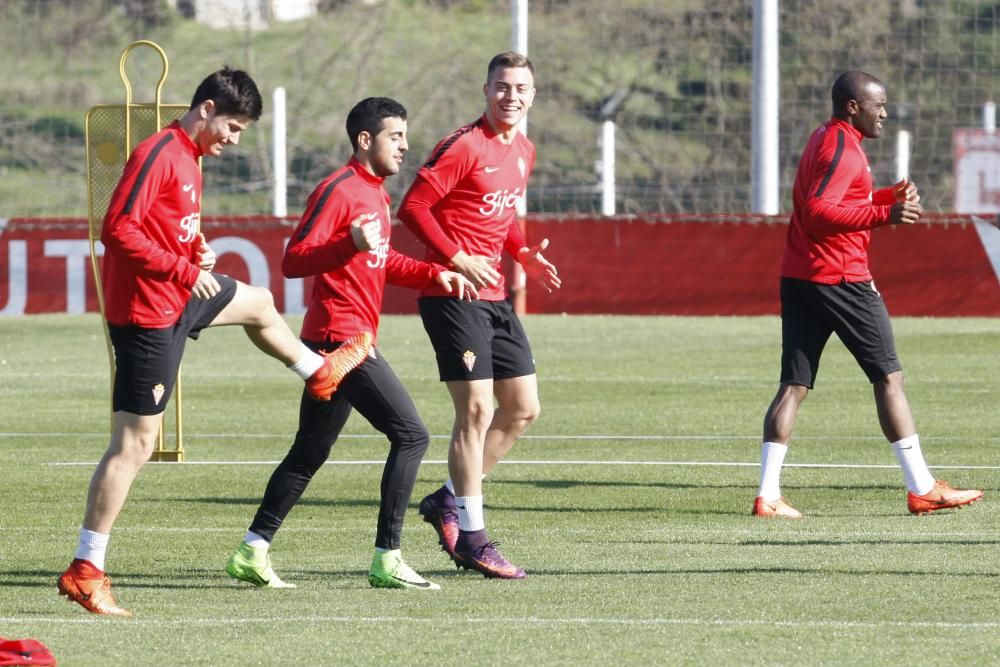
(110, 136)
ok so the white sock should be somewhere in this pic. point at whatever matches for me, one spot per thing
(772, 457)
(919, 479)
(92, 547)
(256, 541)
(450, 485)
(470, 513)
(307, 364)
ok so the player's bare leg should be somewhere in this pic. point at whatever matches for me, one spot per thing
(894, 414)
(924, 493)
(473, 550)
(253, 309)
(779, 422)
(473, 402)
(780, 418)
(132, 442)
(518, 407)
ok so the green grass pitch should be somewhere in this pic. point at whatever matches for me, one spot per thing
(628, 504)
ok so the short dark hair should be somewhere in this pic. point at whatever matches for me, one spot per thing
(850, 86)
(233, 92)
(508, 59)
(368, 114)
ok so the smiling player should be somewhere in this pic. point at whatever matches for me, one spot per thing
(826, 288)
(462, 205)
(159, 290)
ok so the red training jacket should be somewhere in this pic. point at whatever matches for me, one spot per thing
(150, 232)
(347, 293)
(465, 198)
(834, 209)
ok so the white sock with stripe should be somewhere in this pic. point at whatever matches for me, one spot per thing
(772, 457)
(470, 513)
(918, 478)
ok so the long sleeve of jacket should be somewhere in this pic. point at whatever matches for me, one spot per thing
(416, 213)
(405, 271)
(826, 211)
(321, 241)
(124, 234)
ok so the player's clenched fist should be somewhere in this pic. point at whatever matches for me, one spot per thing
(905, 190)
(905, 213)
(206, 256)
(366, 230)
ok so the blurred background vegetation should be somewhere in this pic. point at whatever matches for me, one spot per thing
(685, 65)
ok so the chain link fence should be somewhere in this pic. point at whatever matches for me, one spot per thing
(682, 69)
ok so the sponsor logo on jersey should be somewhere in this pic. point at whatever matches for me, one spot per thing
(495, 203)
(189, 225)
(190, 188)
(490, 170)
(521, 166)
(378, 255)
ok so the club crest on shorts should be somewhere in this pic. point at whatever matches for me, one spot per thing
(469, 359)
(158, 390)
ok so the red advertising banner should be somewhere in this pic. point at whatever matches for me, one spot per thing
(676, 265)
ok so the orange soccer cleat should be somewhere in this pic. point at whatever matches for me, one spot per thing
(942, 496)
(337, 364)
(774, 508)
(90, 588)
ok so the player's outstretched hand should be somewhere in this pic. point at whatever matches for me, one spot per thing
(905, 190)
(479, 269)
(206, 286)
(366, 231)
(457, 284)
(206, 256)
(539, 269)
(905, 213)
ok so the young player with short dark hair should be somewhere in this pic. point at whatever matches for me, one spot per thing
(159, 290)
(343, 240)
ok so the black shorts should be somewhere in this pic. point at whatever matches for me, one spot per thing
(476, 340)
(146, 360)
(810, 312)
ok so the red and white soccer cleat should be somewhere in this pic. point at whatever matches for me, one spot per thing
(775, 508)
(90, 588)
(942, 496)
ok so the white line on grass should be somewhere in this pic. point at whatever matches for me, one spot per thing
(379, 436)
(719, 464)
(976, 537)
(525, 620)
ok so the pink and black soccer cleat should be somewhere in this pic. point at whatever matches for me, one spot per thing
(438, 509)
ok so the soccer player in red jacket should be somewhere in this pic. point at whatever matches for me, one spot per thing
(343, 240)
(159, 290)
(826, 288)
(463, 205)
